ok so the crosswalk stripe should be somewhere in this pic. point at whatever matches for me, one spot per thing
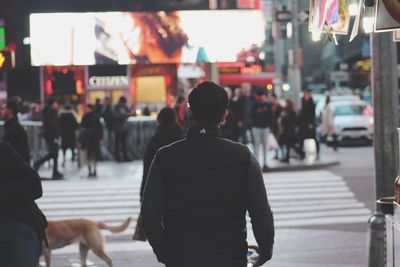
(297, 199)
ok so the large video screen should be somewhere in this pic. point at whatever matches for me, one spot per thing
(143, 37)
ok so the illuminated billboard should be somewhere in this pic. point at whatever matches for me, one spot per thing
(143, 37)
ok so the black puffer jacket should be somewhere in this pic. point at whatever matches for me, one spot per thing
(164, 136)
(20, 186)
(15, 135)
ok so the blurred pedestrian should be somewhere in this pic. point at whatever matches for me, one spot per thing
(276, 112)
(287, 129)
(168, 131)
(36, 112)
(121, 114)
(68, 128)
(199, 190)
(51, 134)
(98, 107)
(244, 106)
(307, 122)
(22, 224)
(107, 114)
(90, 137)
(230, 129)
(14, 134)
(328, 124)
(261, 117)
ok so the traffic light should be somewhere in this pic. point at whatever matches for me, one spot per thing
(6, 60)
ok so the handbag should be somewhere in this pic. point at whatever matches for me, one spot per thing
(272, 144)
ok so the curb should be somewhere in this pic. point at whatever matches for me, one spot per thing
(304, 167)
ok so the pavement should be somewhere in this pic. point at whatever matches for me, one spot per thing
(308, 207)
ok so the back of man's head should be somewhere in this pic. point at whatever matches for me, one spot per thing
(208, 102)
(12, 105)
(166, 117)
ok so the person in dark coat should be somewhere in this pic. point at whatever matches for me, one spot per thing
(22, 224)
(230, 129)
(68, 127)
(287, 129)
(261, 117)
(307, 122)
(244, 106)
(91, 135)
(121, 114)
(14, 134)
(198, 192)
(276, 112)
(51, 134)
(168, 131)
(107, 114)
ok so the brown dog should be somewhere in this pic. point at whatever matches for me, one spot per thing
(86, 232)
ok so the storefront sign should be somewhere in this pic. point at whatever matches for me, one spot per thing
(108, 81)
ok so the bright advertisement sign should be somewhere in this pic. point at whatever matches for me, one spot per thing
(129, 38)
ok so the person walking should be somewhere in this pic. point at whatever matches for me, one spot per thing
(199, 190)
(328, 123)
(51, 134)
(287, 129)
(307, 122)
(168, 131)
(22, 224)
(14, 134)
(121, 114)
(244, 105)
(91, 135)
(230, 129)
(276, 112)
(107, 114)
(68, 128)
(261, 117)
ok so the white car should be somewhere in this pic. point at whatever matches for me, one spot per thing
(353, 120)
(334, 98)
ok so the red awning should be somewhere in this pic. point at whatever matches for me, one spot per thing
(237, 79)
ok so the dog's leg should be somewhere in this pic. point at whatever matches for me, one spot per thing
(47, 256)
(99, 251)
(83, 250)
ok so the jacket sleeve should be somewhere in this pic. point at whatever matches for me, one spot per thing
(152, 211)
(259, 210)
(20, 182)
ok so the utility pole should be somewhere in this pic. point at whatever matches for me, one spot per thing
(277, 51)
(385, 98)
(294, 64)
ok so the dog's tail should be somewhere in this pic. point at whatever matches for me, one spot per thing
(115, 229)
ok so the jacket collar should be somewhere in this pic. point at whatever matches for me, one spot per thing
(204, 130)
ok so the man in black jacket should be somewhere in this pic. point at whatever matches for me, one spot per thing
(22, 224)
(199, 190)
(51, 133)
(14, 134)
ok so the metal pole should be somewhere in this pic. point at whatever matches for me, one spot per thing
(295, 74)
(277, 54)
(385, 98)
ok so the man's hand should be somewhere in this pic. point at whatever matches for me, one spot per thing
(257, 260)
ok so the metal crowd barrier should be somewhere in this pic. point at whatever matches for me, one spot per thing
(140, 130)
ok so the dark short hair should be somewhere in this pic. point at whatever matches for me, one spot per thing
(50, 101)
(122, 99)
(166, 116)
(91, 106)
(208, 102)
(13, 106)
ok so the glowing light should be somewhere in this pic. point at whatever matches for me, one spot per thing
(289, 30)
(270, 87)
(2, 60)
(368, 24)
(285, 87)
(353, 9)
(26, 41)
(316, 36)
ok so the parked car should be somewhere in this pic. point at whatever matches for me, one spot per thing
(353, 120)
(334, 98)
